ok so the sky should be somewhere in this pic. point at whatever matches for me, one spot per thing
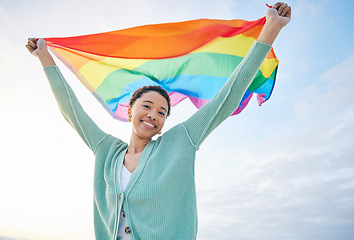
(284, 170)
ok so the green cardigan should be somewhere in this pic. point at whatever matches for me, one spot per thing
(160, 198)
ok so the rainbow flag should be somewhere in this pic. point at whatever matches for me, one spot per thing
(188, 59)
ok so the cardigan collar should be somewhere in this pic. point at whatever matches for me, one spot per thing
(139, 167)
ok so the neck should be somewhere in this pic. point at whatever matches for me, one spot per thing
(137, 144)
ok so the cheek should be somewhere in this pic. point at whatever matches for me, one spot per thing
(162, 121)
(135, 112)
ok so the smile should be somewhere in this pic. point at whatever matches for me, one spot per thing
(148, 124)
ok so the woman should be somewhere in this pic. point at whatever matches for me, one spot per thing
(146, 190)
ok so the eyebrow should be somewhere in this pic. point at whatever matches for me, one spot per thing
(153, 103)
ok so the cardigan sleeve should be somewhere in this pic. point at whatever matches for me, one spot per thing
(72, 110)
(226, 101)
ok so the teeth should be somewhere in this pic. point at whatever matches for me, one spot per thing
(150, 125)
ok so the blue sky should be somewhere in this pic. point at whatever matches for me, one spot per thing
(281, 171)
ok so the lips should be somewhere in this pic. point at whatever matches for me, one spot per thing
(148, 124)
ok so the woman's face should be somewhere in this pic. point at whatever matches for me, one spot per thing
(148, 114)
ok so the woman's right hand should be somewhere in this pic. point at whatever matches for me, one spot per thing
(37, 46)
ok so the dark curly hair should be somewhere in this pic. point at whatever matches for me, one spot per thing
(138, 93)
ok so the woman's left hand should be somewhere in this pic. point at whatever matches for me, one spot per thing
(279, 13)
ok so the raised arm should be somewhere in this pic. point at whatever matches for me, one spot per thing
(207, 118)
(66, 99)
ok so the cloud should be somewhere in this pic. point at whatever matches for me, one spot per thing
(328, 94)
(306, 198)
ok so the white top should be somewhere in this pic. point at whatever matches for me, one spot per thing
(124, 179)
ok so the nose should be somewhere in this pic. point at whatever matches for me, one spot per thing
(151, 116)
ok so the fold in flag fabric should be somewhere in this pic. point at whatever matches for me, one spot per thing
(188, 59)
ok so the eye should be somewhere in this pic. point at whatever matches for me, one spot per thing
(162, 113)
(146, 106)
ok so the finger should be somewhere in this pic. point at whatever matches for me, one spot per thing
(30, 49)
(278, 4)
(285, 11)
(288, 12)
(32, 44)
(29, 42)
(32, 40)
(281, 8)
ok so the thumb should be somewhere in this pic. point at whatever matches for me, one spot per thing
(41, 46)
